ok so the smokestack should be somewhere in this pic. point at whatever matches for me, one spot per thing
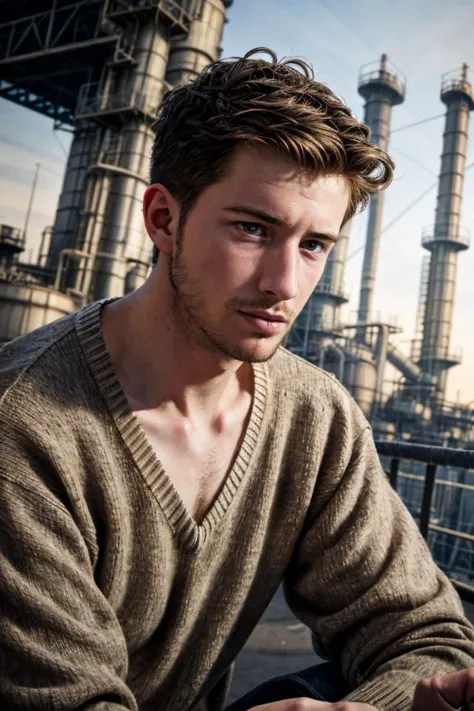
(189, 54)
(381, 88)
(446, 238)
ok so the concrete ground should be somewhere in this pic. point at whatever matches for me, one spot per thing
(278, 645)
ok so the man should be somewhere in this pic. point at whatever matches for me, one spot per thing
(165, 465)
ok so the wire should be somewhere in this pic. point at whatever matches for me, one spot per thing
(345, 24)
(53, 172)
(404, 212)
(398, 217)
(31, 149)
(59, 142)
(409, 207)
(413, 160)
(417, 123)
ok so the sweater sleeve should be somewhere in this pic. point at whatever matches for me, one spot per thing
(363, 580)
(61, 645)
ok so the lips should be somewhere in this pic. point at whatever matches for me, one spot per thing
(263, 323)
(265, 316)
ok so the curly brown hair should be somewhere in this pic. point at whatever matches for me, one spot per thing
(274, 104)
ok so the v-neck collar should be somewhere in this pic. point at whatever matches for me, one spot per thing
(191, 534)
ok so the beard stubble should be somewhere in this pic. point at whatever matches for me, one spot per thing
(189, 312)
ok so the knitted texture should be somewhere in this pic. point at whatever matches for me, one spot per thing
(112, 597)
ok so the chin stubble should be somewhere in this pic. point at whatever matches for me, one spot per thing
(188, 311)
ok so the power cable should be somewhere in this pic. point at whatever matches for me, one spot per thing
(53, 172)
(413, 160)
(31, 149)
(417, 123)
(404, 212)
(43, 167)
(398, 217)
(59, 142)
(347, 26)
(377, 52)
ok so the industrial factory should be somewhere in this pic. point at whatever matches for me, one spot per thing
(100, 68)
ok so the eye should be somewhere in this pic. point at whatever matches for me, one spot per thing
(315, 247)
(251, 228)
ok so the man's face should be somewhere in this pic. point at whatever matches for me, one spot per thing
(252, 250)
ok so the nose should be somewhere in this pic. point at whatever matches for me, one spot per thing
(279, 271)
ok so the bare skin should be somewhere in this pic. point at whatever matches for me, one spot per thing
(442, 693)
(446, 693)
(310, 705)
(182, 345)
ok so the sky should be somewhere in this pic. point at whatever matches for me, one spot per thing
(423, 39)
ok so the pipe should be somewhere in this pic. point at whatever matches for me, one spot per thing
(44, 246)
(64, 253)
(342, 360)
(322, 353)
(381, 350)
(326, 346)
(30, 202)
(402, 363)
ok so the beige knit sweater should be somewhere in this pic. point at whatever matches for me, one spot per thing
(113, 598)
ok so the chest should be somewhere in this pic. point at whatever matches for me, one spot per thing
(197, 464)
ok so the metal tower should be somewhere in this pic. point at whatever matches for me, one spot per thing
(97, 66)
(189, 54)
(112, 244)
(99, 246)
(85, 144)
(329, 295)
(381, 88)
(446, 238)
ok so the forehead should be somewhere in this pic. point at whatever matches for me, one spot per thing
(261, 178)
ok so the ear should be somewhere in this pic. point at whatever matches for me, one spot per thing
(161, 215)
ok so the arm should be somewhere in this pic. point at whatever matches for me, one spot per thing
(61, 645)
(364, 582)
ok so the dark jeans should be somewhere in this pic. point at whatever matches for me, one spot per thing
(323, 682)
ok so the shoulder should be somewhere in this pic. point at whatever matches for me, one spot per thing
(313, 391)
(42, 353)
(305, 378)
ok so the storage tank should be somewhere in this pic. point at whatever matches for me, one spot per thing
(360, 376)
(25, 307)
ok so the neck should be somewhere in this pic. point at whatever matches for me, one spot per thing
(156, 363)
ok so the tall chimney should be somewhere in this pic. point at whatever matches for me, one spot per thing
(446, 238)
(381, 88)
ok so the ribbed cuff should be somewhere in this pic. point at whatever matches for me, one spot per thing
(382, 694)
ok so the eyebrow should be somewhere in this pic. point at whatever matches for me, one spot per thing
(274, 220)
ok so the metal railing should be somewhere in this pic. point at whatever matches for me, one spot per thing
(459, 236)
(442, 460)
(179, 12)
(443, 353)
(338, 293)
(457, 81)
(93, 100)
(384, 72)
(12, 237)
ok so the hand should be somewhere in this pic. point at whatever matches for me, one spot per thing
(445, 693)
(305, 704)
